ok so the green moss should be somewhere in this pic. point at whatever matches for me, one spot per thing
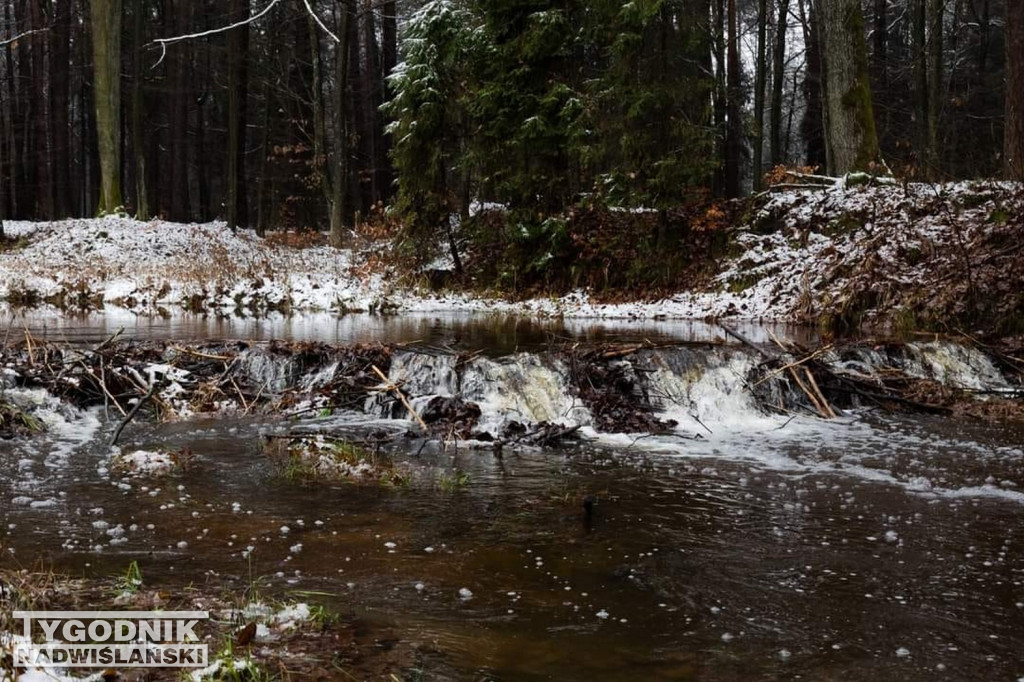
(743, 282)
(858, 97)
(904, 320)
(998, 216)
(14, 421)
(844, 224)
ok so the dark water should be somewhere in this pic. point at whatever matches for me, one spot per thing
(497, 334)
(710, 569)
(876, 548)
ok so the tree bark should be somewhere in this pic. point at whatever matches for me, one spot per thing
(935, 87)
(734, 125)
(60, 106)
(778, 81)
(179, 203)
(760, 79)
(389, 59)
(1013, 153)
(41, 141)
(370, 87)
(340, 179)
(139, 116)
(919, 23)
(849, 121)
(106, 47)
(319, 115)
(720, 94)
(238, 93)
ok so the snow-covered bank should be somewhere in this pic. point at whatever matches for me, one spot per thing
(909, 253)
(143, 266)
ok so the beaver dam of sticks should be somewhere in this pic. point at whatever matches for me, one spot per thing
(365, 452)
(526, 399)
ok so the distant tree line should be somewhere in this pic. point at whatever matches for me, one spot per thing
(269, 124)
(311, 113)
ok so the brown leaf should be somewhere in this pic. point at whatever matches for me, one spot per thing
(245, 635)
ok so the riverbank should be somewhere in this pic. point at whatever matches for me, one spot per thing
(908, 257)
(248, 635)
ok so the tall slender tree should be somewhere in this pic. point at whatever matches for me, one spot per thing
(778, 83)
(238, 94)
(849, 111)
(936, 11)
(341, 168)
(1013, 153)
(60, 107)
(760, 84)
(139, 113)
(734, 108)
(106, 41)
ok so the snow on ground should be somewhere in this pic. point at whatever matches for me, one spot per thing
(144, 463)
(803, 255)
(144, 265)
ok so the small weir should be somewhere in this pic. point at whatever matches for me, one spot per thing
(644, 509)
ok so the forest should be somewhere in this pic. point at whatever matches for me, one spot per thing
(328, 115)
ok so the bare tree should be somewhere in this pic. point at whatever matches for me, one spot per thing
(1014, 134)
(849, 113)
(734, 106)
(106, 41)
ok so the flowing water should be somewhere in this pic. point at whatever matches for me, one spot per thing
(742, 545)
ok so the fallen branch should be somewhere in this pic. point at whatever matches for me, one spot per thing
(401, 396)
(131, 413)
(750, 344)
(198, 354)
(103, 386)
(781, 370)
(829, 412)
(110, 340)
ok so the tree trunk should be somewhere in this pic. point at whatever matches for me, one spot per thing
(319, 116)
(734, 125)
(139, 116)
(179, 203)
(778, 80)
(41, 141)
(1013, 154)
(919, 22)
(8, 100)
(935, 87)
(262, 211)
(106, 48)
(849, 115)
(389, 59)
(880, 65)
(760, 78)
(371, 101)
(238, 93)
(720, 94)
(340, 177)
(60, 106)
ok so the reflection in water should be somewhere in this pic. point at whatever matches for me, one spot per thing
(499, 334)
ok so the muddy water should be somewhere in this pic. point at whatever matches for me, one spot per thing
(870, 548)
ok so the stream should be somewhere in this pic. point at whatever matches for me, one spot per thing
(740, 546)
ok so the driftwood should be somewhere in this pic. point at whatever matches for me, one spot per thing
(401, 396)
(795, 368)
